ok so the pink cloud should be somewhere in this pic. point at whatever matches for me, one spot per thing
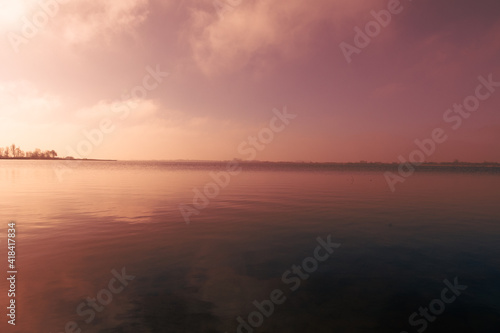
(252, 28)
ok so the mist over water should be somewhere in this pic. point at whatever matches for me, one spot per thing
(396, 248)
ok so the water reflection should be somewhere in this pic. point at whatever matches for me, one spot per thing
(397, 248)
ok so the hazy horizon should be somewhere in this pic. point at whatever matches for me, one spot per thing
(65, 158)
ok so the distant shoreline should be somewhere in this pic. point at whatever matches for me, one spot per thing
(57, 159)
(333, 164)
(347, 166)
(329, 166)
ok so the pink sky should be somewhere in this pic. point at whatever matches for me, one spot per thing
(227, 74)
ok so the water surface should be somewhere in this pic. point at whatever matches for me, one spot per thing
(396, 248)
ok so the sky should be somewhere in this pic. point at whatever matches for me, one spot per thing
(204, 79)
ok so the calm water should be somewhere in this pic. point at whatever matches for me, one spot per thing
(396, 248)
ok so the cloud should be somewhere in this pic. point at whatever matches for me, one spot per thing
(75, 21)
(21, 100)
(83, 21)
(128, 111)
(254, 28)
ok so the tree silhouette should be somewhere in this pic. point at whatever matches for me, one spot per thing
(13, 151)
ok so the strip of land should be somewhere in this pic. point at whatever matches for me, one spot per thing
(56, 159)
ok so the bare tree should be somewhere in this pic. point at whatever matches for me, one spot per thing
(19, 152)
(16, 152)
(37, 153)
